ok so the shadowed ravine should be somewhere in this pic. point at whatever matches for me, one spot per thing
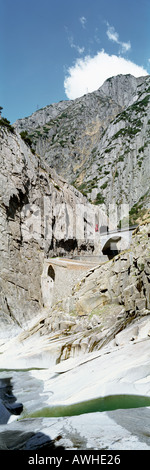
(108, 403)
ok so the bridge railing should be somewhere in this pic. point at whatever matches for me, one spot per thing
(122, 229)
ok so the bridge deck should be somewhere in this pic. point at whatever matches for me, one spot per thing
(118, 230)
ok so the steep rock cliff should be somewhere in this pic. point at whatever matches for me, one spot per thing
(110, 303)
(32, 206)
(101, 141)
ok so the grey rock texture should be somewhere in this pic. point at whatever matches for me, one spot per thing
(119, 430)
(121, 369)
(92, 346)
(101, 141)
(93, 343)
(107, 299)
(32, 203)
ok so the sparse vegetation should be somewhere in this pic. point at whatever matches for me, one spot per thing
(96, 142)
(104, 186)
(5, 123)
(128, 131)
(99, 199)
(138, 210)
(62, 116)
(24, 135)
(82, 187)
(108, 150)
(141, 149)
(94, 150)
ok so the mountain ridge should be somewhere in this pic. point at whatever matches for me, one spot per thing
(100, 142)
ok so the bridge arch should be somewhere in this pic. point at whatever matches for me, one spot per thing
(114, 245)
(47, 284)
(51, 272)
(113, 242)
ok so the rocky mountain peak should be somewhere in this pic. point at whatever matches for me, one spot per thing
(99, 142)
(122, 88)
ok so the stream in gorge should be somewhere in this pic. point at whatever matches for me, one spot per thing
(31, 408)
(23, 386)
(98, 400)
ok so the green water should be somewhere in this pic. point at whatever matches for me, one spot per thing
(23, 370)
(108, 403)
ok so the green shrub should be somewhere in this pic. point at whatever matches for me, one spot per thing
(24, 135)
(62, 116)
(82, 186)
(109, 149)
(121, 158)
(104, 185)
(5, 123)
(26, 138)
(94, 150)
(99, 199)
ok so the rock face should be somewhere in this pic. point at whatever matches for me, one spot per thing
(8, 403)
(124, 280)
(86, 355)
(33, 203)
(32, 207)
(106, 300)
(75, 366)
(101, 141)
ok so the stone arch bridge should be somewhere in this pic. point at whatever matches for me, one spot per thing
(114, 241)
(61, 274)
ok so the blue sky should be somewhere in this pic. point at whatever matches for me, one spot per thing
(60, 49)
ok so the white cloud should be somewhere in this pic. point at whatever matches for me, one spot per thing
(79, 49)
(125, 46)
(114, 36)
(82, 21)
(89, 73)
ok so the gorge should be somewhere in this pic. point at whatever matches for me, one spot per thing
(75, 324)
